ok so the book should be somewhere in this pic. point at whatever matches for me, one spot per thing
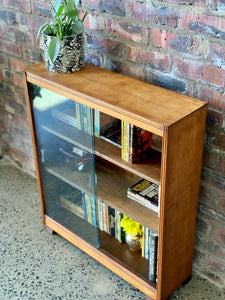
(100, 216)
(121, 231)
(153, 255)
(146, 233)
(145, 193)
(139, 143)
(67, 116)
(111, 220)
(72, 206)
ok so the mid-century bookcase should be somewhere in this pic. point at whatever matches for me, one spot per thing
(175, 119)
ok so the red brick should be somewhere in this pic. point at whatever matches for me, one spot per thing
(152, 15)
(216, 139)
(21, 36)
(210, 159)
(219, 235)
(222, 165)
(32, 56)
(42, 9)
(32, 22)
(214, 119)
(94, 59)
(221, 201)
(199, 72)
(203, 24)
(21, 5)
(186, 2)
(2, 30)
(4, 61)
(17, 65)
(92, 4)
(132, 71)
(105, 45)
(173, 41)
(10, 48)
(128, 31)
(93, 22)
(154, 59)
(115, 7)
(214, 98)
(216, 53)
(17, 79)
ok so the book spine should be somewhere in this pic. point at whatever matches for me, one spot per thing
(85, 118)
(117, 225)
(88, 208)
(142, 201)
(121, 233)
(124, 129)
(100, 216)
(78, 115)
(153, 246)
(93, 211)
(146, 243)
(81, 116)
(97, 122)
(143, 243)
(111, 220)
(104, 216)
(131, 143)
(127, 141)
(84, 206)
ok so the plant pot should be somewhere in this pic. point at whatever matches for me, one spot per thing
(71, 54)
(133, 242)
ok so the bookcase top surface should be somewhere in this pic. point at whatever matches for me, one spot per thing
(127, 96)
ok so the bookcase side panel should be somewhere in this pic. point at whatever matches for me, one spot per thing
(180, 182)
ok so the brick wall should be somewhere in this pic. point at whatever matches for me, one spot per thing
(177, 44)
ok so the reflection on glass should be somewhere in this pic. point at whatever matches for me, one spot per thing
(64, 131)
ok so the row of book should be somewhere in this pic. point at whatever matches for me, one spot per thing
(108, 219)
(136, 143)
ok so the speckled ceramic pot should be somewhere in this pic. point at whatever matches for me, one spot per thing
(134, 243)
(71, 54)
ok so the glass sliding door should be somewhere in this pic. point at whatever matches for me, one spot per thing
(65, 140)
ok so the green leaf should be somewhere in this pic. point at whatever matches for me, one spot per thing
(78, 27)
(56, 6)
(53, 48)
(71, 5)
(41, 29)
(60, 10)
(71, 13)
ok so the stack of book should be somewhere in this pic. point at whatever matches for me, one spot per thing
(136, 143)
(145, 193)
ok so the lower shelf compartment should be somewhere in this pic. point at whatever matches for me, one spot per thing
(121, 254)
(104, 256)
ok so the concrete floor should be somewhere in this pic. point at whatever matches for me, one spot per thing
(37, 265)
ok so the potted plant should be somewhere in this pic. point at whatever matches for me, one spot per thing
(63, 38)
(134, 233)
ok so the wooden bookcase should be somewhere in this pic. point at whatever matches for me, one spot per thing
(177, 119)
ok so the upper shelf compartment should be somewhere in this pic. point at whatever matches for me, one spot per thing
(134, 101)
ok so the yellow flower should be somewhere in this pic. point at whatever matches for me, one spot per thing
(131, 227)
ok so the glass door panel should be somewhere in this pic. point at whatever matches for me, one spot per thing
(65, 142)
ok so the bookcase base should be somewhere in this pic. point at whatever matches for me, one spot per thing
(98, 255)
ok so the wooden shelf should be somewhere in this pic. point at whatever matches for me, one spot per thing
(121, 254)
(149, 168)
(112, 185)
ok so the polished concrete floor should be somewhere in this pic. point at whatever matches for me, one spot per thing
(37, 265)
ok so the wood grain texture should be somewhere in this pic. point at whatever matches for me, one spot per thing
(181, 171)
(133, 99)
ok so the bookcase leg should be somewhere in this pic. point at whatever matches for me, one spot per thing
(48, 229)
(186, 281)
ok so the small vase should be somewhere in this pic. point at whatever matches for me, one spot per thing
(133, 242)
(71, 54)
